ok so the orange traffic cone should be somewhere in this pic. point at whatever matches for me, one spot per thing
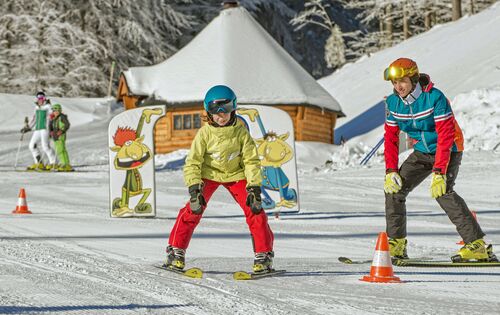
(381, 270)
(22, 205)
(475, 217)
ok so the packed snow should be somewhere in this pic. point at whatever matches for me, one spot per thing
(70, 257)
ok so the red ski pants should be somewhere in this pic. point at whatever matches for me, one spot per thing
(186, 222)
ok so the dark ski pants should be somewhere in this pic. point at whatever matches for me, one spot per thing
(186, 222)
(413, 171)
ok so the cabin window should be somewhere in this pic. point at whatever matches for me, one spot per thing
(196, 121)
(177, 122)
(187, 122)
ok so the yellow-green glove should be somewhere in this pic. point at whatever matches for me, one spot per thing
(438, 185)
(393, 183)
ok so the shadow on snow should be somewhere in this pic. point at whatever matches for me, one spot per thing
(68, 308)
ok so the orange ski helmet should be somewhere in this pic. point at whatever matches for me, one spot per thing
(400, 68)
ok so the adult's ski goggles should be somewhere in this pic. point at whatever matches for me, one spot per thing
(220, 106)
(394, 72)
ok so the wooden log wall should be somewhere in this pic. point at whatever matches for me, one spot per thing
(166, 138)
(310, 123)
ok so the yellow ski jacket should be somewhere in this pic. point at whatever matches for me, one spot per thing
(223, 154)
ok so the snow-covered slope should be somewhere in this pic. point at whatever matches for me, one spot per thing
(459, 56)
(70, 257)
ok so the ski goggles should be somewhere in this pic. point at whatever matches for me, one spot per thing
(220, 106)
(394, 72)
(40, 98)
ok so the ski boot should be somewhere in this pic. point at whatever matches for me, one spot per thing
(475, 250)
(175, 258)
(397, 248)
(491, 255)
(36, 166)
(263, 262)
(51, 167)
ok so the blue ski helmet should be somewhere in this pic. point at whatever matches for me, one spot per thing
(220, 99)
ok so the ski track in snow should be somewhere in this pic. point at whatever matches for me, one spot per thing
(70, 257)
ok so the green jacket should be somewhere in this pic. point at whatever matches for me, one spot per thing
(224, 154)
(61, 123)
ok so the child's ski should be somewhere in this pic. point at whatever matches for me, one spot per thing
(243, 275)
(191, 272)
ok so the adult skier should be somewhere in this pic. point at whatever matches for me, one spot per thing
(424, 113)
(40, 122)
(222, 153)
(58, 127)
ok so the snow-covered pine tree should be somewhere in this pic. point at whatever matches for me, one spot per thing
(66, 46)
(315, 13)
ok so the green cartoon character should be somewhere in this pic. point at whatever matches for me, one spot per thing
(131, 155)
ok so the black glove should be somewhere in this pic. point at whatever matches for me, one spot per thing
(25, 129)
(196, 200)
(254, 200)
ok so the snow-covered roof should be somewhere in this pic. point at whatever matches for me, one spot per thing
(236, 51)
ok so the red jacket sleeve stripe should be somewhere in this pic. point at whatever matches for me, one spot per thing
(391, 146)
(445, 129)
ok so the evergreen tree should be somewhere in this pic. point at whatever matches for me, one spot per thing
(67, 46)
(315, 13)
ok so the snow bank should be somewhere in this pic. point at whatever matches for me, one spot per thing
(81, 111)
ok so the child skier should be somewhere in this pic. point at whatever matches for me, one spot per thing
(40, 122)
(222, 153)
(58, 127)
(424, 113)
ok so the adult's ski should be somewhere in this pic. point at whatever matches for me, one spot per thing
(194, 272)
(444, 264)
(243, 275)
(350, 261)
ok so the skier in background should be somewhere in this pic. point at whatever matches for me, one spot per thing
(40, 122)
(222, 153)
(58, 127)
(424, 113)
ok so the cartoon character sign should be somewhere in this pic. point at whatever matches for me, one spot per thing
(131, 172)
(276, 152)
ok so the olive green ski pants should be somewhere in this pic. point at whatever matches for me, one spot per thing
(413, 171)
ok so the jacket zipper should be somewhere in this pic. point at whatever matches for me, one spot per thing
(421, 133)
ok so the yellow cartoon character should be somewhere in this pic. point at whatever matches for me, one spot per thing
(131, 155)
(273, 151)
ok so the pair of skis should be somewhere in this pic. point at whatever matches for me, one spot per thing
(426, 262)
(197, 273)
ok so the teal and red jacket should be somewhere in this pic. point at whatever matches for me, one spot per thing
(426, 116)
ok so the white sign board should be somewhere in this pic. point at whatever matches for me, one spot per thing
(131, 162)
(272, 130)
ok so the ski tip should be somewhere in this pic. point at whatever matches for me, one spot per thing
(345, 260)
(196, 273)
(242, 275)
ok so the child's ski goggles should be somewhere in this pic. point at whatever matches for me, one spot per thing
(220, 106)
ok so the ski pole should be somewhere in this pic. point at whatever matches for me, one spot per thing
(20, 143)
(18, 149)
